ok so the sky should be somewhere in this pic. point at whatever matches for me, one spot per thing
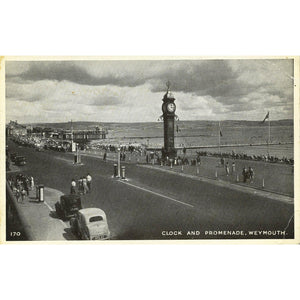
(132, 90)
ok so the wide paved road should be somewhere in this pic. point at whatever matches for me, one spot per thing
(152, 203)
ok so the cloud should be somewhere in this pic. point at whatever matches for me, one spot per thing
(216, 89)
(105, 101)
(77, 72)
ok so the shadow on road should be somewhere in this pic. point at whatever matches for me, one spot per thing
(53, 214)
(68, 235)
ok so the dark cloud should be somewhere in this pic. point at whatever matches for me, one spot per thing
(227, 81)
(198, 77)
(73, 72)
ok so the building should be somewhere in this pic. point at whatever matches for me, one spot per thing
(14, 128)
(83, 136)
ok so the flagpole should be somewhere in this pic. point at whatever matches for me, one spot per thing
(269, 139)
(219, 134)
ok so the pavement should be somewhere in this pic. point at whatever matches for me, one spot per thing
(276, 178)
(41, 217)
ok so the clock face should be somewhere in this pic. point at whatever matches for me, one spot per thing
(171, 107)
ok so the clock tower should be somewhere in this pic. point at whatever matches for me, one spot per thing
(168, 108)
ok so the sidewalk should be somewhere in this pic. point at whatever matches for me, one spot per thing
(216, 181)
(113, 156)
(41, 218)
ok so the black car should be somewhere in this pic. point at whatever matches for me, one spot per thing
(13, 156)
(20, 161)
(68, 206)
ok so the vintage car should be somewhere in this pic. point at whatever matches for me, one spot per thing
(20, 161)
(13, 156)
(90, 224)
(68, 206)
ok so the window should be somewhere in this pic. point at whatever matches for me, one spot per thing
(96, 219)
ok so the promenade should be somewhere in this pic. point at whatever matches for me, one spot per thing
(270, 177)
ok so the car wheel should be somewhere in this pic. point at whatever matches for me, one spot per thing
(57, 210)
(72, 226)
(63, 215)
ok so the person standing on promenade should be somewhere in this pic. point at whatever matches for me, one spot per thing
(31, 183)
(104, 156)
(23, 194)
(244, 173)
(233, 167)
(10, 182)
(80, 186)
(89, 181)
(85, 187)
(73, 187)
(26, 188)
(17, 193)
(251, 174)
(227, 168)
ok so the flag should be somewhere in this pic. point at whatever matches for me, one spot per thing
(266, 117)
(221, 133)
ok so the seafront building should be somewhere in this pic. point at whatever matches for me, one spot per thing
(14, 128)
(78, 136)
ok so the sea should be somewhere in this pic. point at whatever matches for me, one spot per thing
(248, 137)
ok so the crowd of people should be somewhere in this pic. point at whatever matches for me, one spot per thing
(20, 185)
(246, 173)
(131, 148)
(81, 186)
(233, 155)
(42, 143)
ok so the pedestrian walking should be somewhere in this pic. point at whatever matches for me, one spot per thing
(73, 186)
(233, 167)
(104, 156)
(222, 161)
(23, 194)
(227, 168)
(199, 160)
(251, 174)
(17, 193)
(80, 185)
(10, 182)
(244, 173)
(89, 181)
(85, 187)
(26, 188)
(32, 183)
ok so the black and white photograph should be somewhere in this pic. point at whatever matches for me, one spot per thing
(152, 149)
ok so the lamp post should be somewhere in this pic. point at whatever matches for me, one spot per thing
(119, 162)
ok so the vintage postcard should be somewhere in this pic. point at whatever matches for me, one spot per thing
(150, 149)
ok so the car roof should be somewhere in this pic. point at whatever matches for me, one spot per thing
(70, 197)
(91, 212)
